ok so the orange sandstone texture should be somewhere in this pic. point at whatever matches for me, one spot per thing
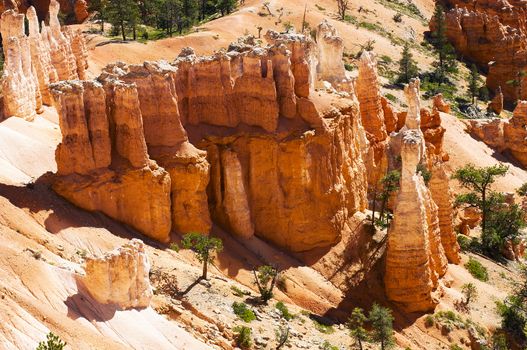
(415, 257)
(492, 34)
(109, 171)
(35, 60)
(120, 277)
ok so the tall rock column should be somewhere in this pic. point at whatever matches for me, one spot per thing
(330, 51)
(415, 258)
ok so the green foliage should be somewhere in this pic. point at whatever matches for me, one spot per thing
(356, 326)
(382, 326)
(522, 190)
(407, 66)
(123, 15)
(470, 293)
(446, 63)
(284, 311)
(429, 321)
(328, 346)
(455, 347)
(477, 270)
(349, 67)
(203, 246)
(513, 310)
(243, 312)
(406, 7)
(449, 319)
(425, 173)
(503, 225)
(391, 97)
(243, 337)
(499, 342)
(479, 181)
(265, 279)
(389, 184)
(323, 328)
(52, 342)
(238, 292)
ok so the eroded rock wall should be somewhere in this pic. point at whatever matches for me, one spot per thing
(46, 55)
(102, 161)
(120, 277)
(415, 257)
(493, 35)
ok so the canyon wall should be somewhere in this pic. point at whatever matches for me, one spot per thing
(269, 162)
(492, 34)
(46, 55)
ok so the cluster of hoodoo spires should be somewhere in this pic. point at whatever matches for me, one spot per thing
(245, 139)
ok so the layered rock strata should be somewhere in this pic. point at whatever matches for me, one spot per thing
(120, 277)
(102, 161)
(46, 55)
(271, 164)
(415, 257)
(505, 135)
(491, 34)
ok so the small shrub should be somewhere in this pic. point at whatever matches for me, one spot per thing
(429, 321)
(328, 346)
(238, 292)
(243, 337)
(284, 311)
(398, 18)
(52, 342)
(391, 97)
(349, 67)
(323, 328)
(174, 247)
(477, 270)
(455, 347)
(243, 312)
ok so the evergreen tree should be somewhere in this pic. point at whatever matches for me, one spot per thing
(478, 181)
(99, 6)
(123, 14)
(473, 85)
(356, 326)
(203, 246)
(446, 62)
(407, 66)
(382, 326)
(225, 6)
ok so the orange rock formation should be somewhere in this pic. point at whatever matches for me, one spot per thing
(491, 34)
(120, 277)
(415, 257)
(45, 56)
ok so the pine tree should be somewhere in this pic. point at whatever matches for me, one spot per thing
(446, 60)
(356, 326)
(99, 6)
(123, 14)
(407, 66)
(382, 326)
(473, 85)
(226, 6)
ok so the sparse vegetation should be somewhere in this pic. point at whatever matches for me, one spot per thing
(404, 7)
(284, 311)
(203, 247)
(282, 336)
(238, 292)
(477, 270)
(243, 337)
(343, 7)
(513, 311)
(470, 293)
(323, 328)
(328, 346)
(265, 279)
(388, 185)
(429, 321)
(52, 342)
(243, 312)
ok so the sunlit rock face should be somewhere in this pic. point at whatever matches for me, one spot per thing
(415, 256)
(120, 277)
(46, 55)
(491, 34)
